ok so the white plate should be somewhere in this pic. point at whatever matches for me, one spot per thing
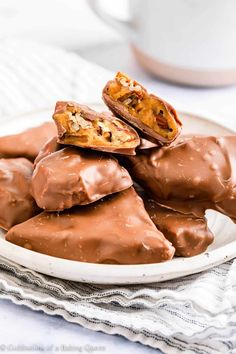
(222, 249)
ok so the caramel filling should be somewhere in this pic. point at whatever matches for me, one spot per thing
(150, 110)
(78, 129)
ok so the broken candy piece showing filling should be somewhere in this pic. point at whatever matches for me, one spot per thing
(81, 126)
(73, 176)
(188, 234)
(149, 113)
(28, 143)
(16, 202)
(116, 230)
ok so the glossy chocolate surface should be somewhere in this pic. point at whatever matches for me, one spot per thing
(50, 147)
(116, 230)
(195, 174)
(146, 144)
(189, 234)
(73, 176)
(16, 203)
(28, 143)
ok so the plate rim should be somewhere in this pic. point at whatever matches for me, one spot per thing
(138, 272)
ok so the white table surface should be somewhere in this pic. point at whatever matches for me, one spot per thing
(21, 326)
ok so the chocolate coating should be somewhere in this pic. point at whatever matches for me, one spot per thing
(81, 126)
(116, 230)
(156, 119)
(74, 176)
(195, 174)
(16, 203)
(147, 144)
(50, 147)
(28, 143)
(187, 233)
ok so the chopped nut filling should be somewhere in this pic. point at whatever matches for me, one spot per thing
(88, 128)
(147, 108)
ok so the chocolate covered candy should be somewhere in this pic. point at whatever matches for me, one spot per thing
(28, 143)
(81, 126)
(156, 118)
(195, 174)
(189, 234)
(116, 230)
(16, 203)
(74, 176)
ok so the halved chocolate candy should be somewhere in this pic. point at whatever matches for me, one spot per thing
(16, 202)
(28, 143)
(81, 126)
(129, 100)
(74, 176)
(116, 230)
(189, 234)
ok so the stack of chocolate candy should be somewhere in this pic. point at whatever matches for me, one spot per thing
(77, 200)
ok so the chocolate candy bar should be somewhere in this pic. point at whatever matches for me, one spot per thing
(116, 230)
(187, 233)
(81, 126)
(16, 203)
(74, 176)
(129, 100)
(28, 143)
(195, 174)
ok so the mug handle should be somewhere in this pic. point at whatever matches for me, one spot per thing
(123, 27)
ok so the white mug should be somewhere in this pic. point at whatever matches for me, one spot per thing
(186, 41)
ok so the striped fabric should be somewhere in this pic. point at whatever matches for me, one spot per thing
(35, 76)
(195, 314)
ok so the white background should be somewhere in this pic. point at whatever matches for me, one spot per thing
(71, 24)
